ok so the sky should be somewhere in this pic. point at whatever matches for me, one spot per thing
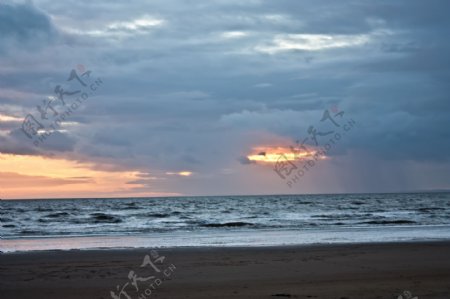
(223, 97)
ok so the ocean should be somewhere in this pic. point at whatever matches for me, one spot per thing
(222, 221)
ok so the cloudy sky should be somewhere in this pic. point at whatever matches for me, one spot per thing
(192, 91)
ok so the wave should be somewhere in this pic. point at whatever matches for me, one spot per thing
(427, 210)
(57, 215)
(227, 224)
(105, 218)
(389, 222)
(30, 232)
(40, 209)
(159, 215)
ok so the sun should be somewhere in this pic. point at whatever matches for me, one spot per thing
(272, 154)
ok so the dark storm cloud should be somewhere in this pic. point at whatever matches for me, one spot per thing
(195, 84)
(16, 142)
(23, 25)
(12, 146)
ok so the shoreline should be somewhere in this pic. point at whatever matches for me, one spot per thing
(381, 270)
(231, 248)
(225, 247)
(232, 238)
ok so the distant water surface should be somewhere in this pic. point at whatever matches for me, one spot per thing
(147, 216)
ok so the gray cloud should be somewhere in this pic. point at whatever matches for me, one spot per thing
(24, 26)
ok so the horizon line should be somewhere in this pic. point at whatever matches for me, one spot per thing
(232, 195)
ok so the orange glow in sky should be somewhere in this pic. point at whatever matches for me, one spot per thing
(270, 154)
(25, 176)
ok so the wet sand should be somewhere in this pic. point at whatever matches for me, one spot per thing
(321, 271)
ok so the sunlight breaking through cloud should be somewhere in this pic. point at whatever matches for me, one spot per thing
(312, 42)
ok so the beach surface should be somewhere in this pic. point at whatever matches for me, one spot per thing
(351, 271)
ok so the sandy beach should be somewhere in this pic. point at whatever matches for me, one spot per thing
(319, 271)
